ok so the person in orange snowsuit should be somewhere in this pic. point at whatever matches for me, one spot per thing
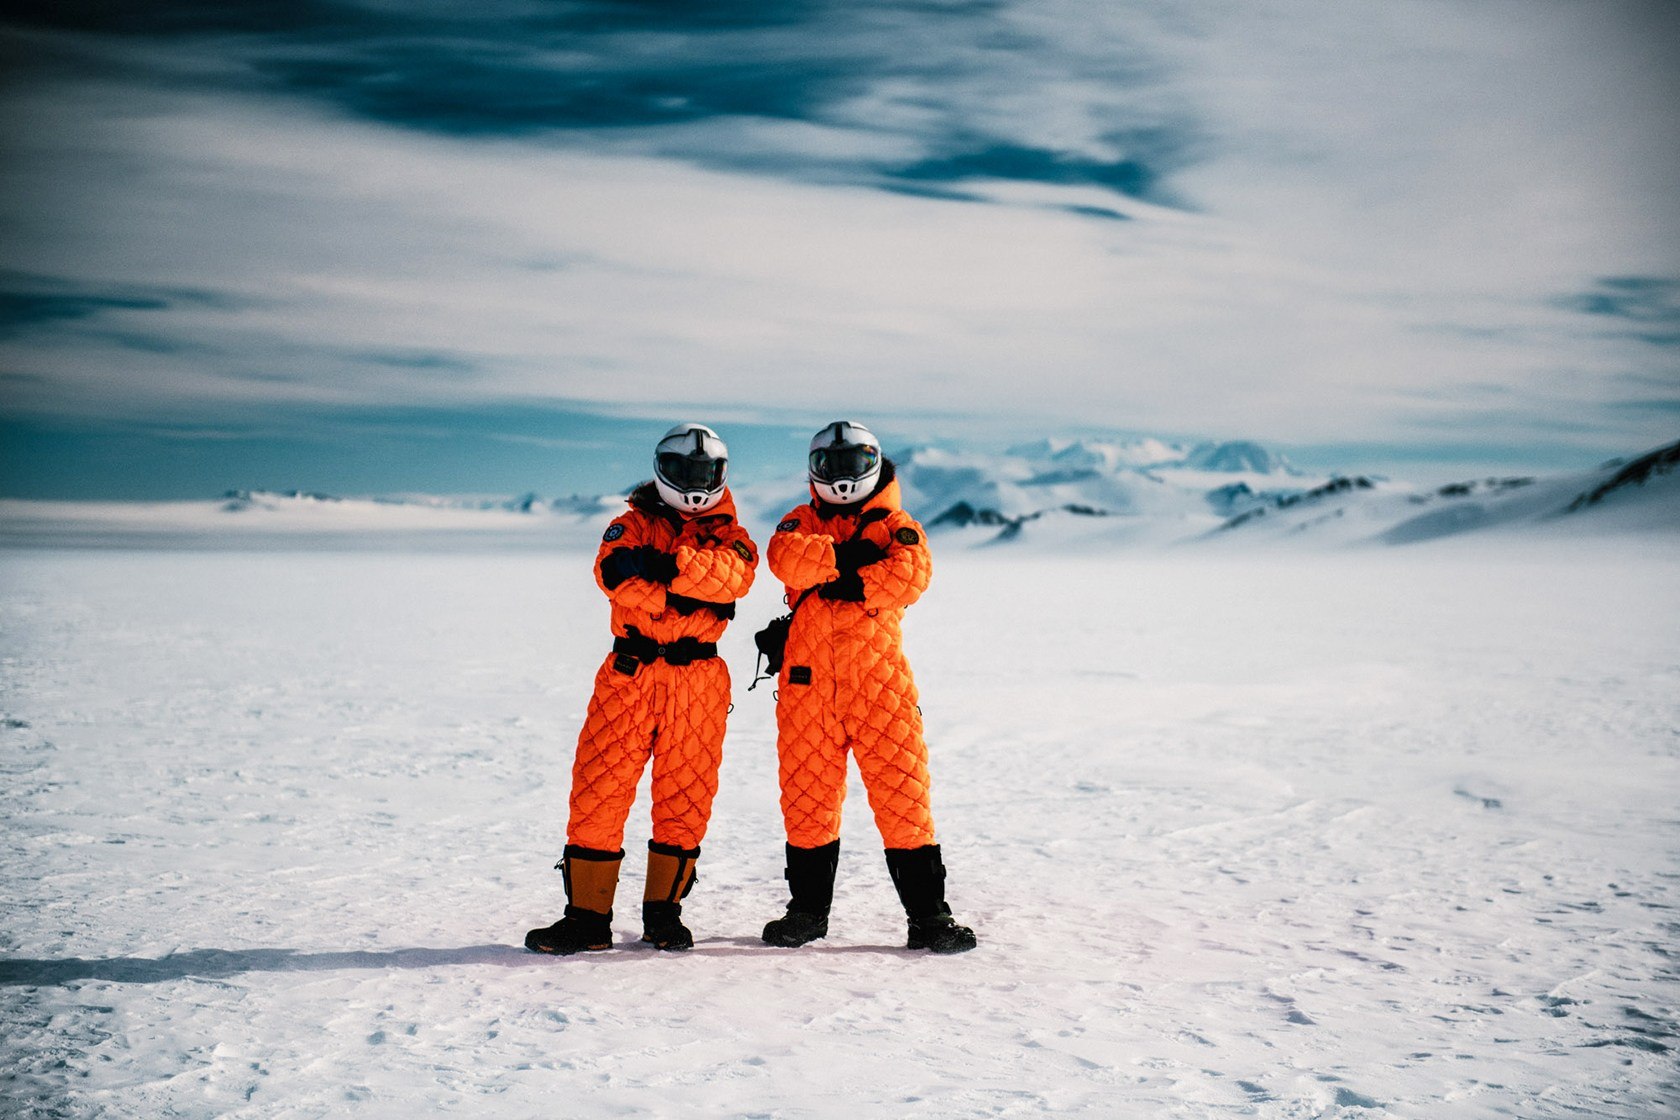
(852, 560)
(673, 566)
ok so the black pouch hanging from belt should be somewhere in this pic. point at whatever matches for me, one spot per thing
(772, 643)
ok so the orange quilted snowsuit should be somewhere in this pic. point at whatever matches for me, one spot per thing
(845, 683)
(675, 713)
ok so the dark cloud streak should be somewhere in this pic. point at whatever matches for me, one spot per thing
(1009, 161)
(176, 18)
(635, 73)
(29, 302)
(1647, 306)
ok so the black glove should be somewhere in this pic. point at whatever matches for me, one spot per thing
(851, 555)
(660, 567)
(619, 565)
(643, 561)
(848, 588)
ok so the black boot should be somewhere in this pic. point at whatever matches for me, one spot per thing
(919, 876)
(579, 931)
(670, 876)
(940, 933)
(810, 876)
(591, 879)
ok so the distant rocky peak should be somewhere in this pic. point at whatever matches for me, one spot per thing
(1039, 448)
(1238, 456)
(1099, 454)
(1653, 464)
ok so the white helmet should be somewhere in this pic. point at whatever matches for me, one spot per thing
(845, 462)
(689, 468)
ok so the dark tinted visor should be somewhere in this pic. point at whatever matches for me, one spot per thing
(853, 461)
(692, 472)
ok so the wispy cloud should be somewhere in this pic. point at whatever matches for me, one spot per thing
(919, 92)
(1646, 308)
(29, 302)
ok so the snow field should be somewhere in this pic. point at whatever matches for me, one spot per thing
(1374, 834)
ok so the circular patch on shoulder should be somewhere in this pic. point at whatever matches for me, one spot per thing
(614, 531)
(907, 535)
(789, 525)
(744, 551)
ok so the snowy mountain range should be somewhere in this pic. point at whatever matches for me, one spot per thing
(1151, 489)
(241, 501)
(1085, 494)
(1152, 492)
(1617, 497)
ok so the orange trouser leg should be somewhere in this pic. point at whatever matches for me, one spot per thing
(688, 749)
(811, 751)
(612, 751)
(886, 738)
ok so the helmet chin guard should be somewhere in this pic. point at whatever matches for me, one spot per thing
(844, 463)
(690, 466)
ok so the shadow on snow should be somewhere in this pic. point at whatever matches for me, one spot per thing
(216, 963)
(213, 964)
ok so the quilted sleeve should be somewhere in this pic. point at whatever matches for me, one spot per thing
(799, 556)
(719, 571)
(902, 575)
(627, 531)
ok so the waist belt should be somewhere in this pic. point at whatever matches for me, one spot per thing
(637, 650)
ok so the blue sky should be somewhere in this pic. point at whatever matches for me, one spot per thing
(388, 247)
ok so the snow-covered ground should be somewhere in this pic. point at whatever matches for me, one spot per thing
(1389, 832)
